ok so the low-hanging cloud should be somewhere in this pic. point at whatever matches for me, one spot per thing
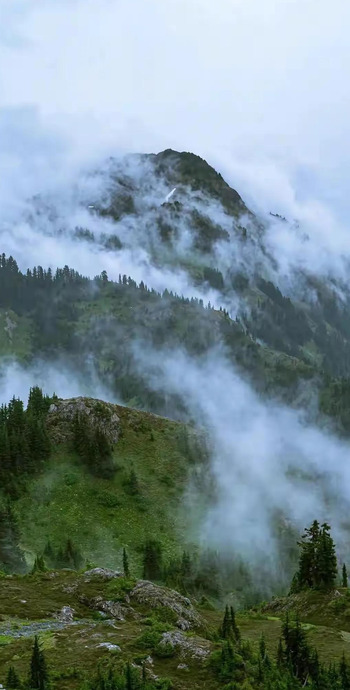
(233, 86)
(267, 460)
(59, 377)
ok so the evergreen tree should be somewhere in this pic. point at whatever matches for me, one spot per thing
(38, 403)
(229, 629)
(132, 483)
(344, 674)
(49, 554)
(71, 556)
(317, 561)
(11, 556)
(326, 562)
(344, 576)
(13, 681)
(129, 685)
(152, 560)
(126, 564)
(306, 575)
(186, 565)
(225, 627)
(297, 652)
(280, 654)
(234, 627)
(38, 671)
(93, 447)
(39, 565)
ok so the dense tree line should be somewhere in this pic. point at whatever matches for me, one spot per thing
(126, 678)
(295, 663)
(55, 303)
(24, 443)
(11, 556)
(68, 556)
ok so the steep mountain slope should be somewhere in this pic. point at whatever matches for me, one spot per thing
(202, 242)
(206, 229)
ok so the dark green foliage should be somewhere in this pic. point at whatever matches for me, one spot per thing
(297, 664)
(279, 322)
(13, 681)
(84, 234)
(38, 672)
(209, 574)
(213, 277)
(24, 443)
(131, 483)
(56, 303)
(344, 673)
(11, 556)
(297, 652)
(38, 403)
(317, 562)
(39, 565)
(68, 556)
(111, 242)
(72, 556)
(229, 629)
(344, 576)
(152, 560)
(335, 401)
(127, 678)
(126, 563)
(93, 447)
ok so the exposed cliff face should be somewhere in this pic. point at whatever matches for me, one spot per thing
(98, 414)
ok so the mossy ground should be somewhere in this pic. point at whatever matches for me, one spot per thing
(73, 652)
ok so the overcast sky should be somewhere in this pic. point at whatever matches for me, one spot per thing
(259, 88)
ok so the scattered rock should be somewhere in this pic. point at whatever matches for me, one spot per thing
(66, 615)
(111, 608)
(70, 589)
(182, 667)
(23, 601)
(161, 597)
(194, 647)
(103, 573)
(110, 647)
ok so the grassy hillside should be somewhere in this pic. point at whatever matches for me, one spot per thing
(105, 515)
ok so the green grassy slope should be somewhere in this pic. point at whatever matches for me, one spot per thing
(100, 514)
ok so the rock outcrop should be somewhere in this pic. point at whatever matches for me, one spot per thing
(113, 609)
(101, 573)
(98, 414)
(155, 596)
(193, 647)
